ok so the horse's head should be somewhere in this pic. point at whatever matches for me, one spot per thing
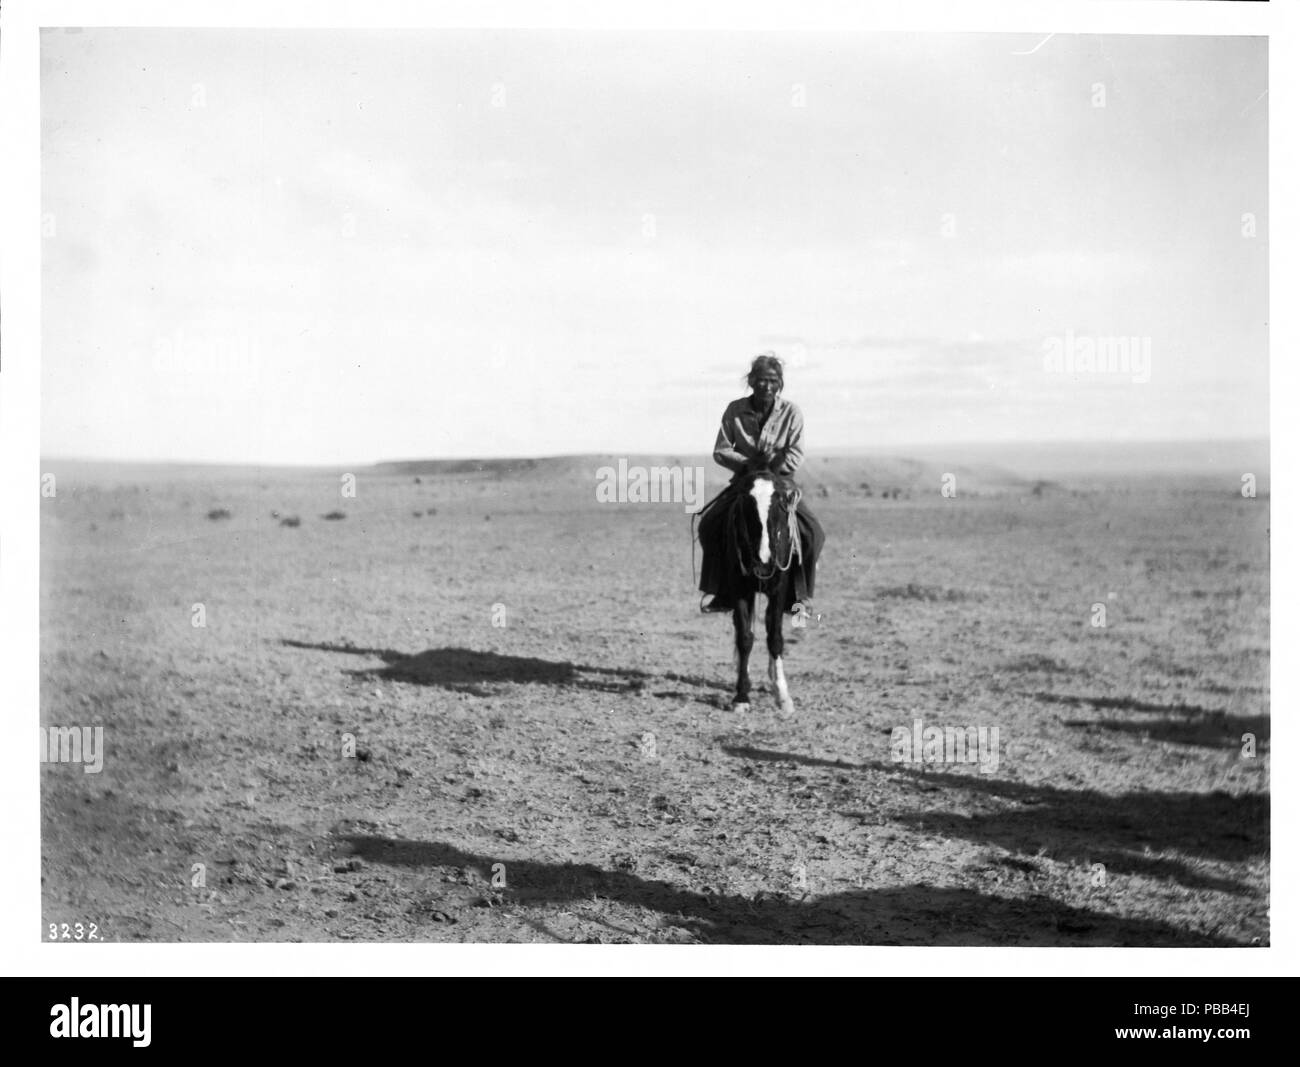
(767, 504)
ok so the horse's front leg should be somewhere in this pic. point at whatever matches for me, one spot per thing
(776, 648)
(742, 619)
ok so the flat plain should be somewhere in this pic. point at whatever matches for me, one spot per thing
(483, 706)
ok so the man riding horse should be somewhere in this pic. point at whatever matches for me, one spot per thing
(762, 432)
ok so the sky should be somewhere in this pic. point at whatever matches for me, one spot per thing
(325, 247)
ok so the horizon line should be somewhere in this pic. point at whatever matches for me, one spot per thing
(833, 452)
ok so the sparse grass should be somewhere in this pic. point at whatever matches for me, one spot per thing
(313, 635)
(929, 593)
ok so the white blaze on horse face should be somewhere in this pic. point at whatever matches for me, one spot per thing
(762, 494)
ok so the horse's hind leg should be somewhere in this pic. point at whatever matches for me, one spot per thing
(742, 619)
(775, 649)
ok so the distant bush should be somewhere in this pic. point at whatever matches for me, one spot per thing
(1038, 662)
(291, 520)
(334, 516)
(219, 513)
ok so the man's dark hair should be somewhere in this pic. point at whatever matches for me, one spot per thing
(766, 361)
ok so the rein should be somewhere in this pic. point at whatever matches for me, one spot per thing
(792, 526)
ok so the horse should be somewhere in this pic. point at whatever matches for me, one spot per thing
(761, 547)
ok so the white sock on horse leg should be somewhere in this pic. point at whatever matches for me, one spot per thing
(776, 672)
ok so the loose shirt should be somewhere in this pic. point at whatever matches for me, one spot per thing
(740, 438)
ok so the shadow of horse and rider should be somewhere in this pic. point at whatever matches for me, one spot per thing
(898, 915)
(476, 672)
(756, 541)
(1079, 826)
(757, 537)
(1082, 826)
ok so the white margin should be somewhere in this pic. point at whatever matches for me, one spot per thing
(20, 945)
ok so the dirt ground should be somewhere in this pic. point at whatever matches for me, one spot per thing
(542, 747)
